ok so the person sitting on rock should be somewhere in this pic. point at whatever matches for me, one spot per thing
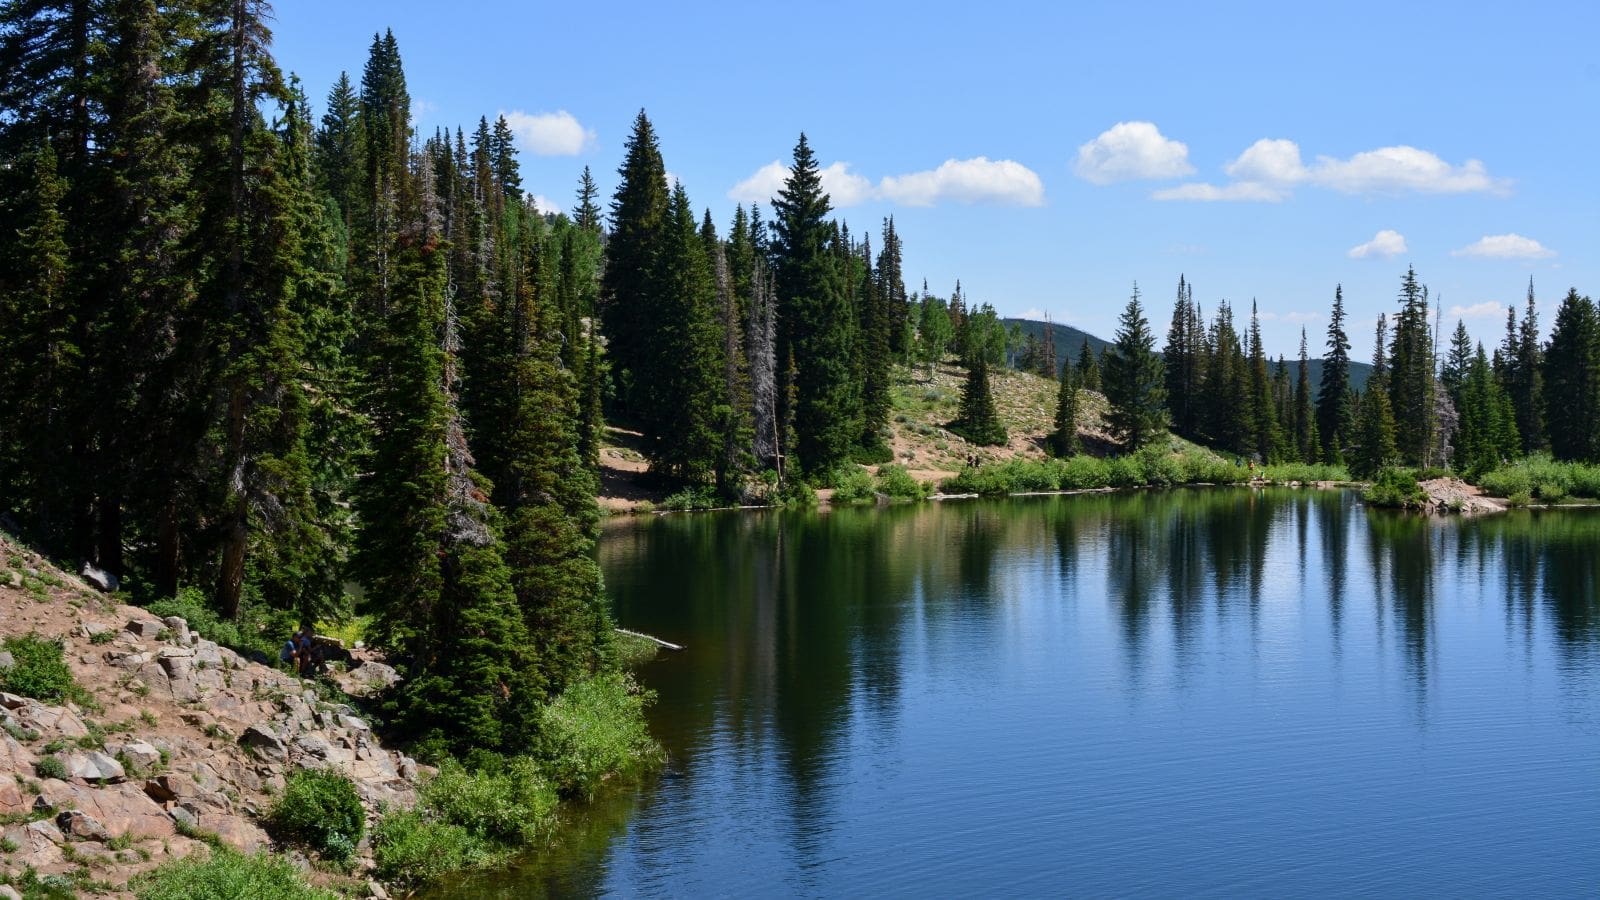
(304, 664)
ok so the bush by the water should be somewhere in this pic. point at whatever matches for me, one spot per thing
(1396, 489)
(852, 484)
(225, 874)
(1305, 473)
(692, 498)
(321, 809)
(410, 847)
(595, 729)
(1153, 466)
(896, 482)
(1541, 477)
(39, 670)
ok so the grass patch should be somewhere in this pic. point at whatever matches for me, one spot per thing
(321, 809)
(40, 670)
(50, 767)
(696, 497)
(1305, 473)
(412, 848)
(897, 483)
(1157, 466)
(228, 874)
(1540, 477)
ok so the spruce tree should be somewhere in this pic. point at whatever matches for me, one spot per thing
(1527, 385)
(1184, 360)
(1064, 439)
(628, 292)
(586, 212)
(1307, 445)
(1487, 428)
(1375, 447)
(1453, 373)
(814, 319)
(978, 421)
(1335, 413)
(892, 293)
(339, 147)
(1411, 374)
(873, 338)
(1571, 389)
(1087, 370)
(1133, 380)
(1263, 419)
(733, 411)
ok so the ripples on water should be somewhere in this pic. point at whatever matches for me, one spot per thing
(1202, 692)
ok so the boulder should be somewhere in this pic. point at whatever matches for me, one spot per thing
(95, 767)
(53, 720)
(123, 809)
(78, 824)
(179, 629)
(145, 628)
(12, 701)
(100, 578)
(139, 753)
(184, 817)
(6, 660)
(265, 742)
(237, 832)
(90, 629)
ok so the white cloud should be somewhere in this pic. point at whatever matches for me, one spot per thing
(977, 180)
(1388, 243)
(672, 181)
(1032, 314)
(1505, 246)
(1394, 170)
(550, 134)
(545, 204)
(1271, 167)
(421, 109)
(844, 187)
(1240, 190)
(1130, 150)
(1488, 309)
(1291, 317)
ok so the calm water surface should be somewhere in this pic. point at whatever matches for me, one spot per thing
(1199, 693)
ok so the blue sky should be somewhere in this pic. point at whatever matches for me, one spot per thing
(1051, 154)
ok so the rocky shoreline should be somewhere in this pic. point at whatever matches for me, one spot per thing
(177, 744)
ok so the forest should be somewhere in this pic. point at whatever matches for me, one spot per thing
(309, 365)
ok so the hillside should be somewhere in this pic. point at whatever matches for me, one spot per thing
(168, 741)
(1069, 340)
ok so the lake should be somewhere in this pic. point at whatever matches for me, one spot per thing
(1202, 692)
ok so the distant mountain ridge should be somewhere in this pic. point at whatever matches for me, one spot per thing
(1070, 340)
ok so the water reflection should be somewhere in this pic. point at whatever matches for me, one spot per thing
(864, 687)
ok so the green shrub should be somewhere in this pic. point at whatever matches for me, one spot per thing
(796, 494)
(1305, 473)
(226, 874)
(511, 805)
(1551, 491)
(320, 808)
(1396, 488)
(897, 483)
(1541, 476)
(50, 767)
(595, 729)
(39, 670)
(1520, 499)
(851, 484)
(410, 848)
(1084, 473)
(695, 497)
(257, 628)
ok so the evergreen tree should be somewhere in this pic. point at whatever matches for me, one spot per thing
(1226, 387)
(503, 151)
(1087, 370)
(1411, 374)
(892, 293)
(978, 421)
(628, 294)
(1307, 445)
(1488, 428)
(1375, 448)
(733, 411)
(1133, 380)
(1184, 358)
(1571, 383)
(814, 319)
(1527, 379)
(874, 341)
(339, 147)
(1335, 413)
(1380, 350)
(760, 341)
(586, 213)
(1262, 412)
(1064, 439)
(1453, 373)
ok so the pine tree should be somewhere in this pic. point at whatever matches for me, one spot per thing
(1087, 370)
(1375, 448)
(978, 421)
(1133, 380)
(760, 341)
(1380, 351)
(1335, 414)
(1184, 360)
(1411, 374)
(892, 293)
(503, 151)
(873, 337)
(1064, 439)
(639, 227)
(1262, 414)
(339, 147)
(1226, 387)
(1571, 383)
(1487, 428)
(1047, 350)
(1307, 445)
(1527, 385)
(733, 411)
(814, 319)
(1453, 373)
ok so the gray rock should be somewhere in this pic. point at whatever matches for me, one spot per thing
(7, 660)
(264, 741)
(7, 892)
(12, 701)
(145, 628)
(184, 817)
(90, 629)
(175, 652)
(179, 629)
(100, 578)
(95, 767)
(353, 723)
(141, 754)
